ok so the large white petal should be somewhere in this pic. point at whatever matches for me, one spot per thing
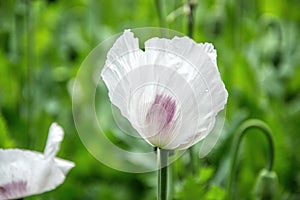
(197, 64)
(121, 59)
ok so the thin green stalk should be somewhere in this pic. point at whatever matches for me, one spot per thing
(162, 161)
(161, 13)
(191, 5)
(29, 63)
(249, 124)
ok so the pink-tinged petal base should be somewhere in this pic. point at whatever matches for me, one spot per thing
(164, 107)
(160, 114)
(13, 189)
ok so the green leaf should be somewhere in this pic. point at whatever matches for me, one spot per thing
(191, 189)
(215, 193)
(5, 140)
(205, 174)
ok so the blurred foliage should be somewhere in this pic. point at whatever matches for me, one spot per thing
(196, 187)
(43, 43)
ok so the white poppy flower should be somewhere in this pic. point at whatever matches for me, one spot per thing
(171, 92)
(24, 173)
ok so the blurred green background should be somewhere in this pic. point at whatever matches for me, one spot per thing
(43, 43)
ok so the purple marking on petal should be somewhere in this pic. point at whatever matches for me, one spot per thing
(13, 190)
(164, 107)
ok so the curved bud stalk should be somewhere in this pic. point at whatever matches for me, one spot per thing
(241, 131)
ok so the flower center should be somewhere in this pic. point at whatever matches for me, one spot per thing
(161, 112)
(13, 189)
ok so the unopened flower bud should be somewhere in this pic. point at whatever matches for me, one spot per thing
(266, 185)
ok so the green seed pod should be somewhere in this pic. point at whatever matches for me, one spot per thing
(266, 185)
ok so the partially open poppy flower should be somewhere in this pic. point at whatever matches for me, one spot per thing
(24, 173)
(171, 92)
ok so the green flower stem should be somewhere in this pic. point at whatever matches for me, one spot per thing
(193, 161)
(162, 161)
(161, 13)
(249, 124)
